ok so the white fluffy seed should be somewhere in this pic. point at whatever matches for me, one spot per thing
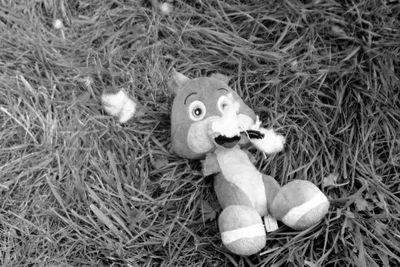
(294, 64)
(119, 105)
(58, 24)
(166, 8)
(87, 81)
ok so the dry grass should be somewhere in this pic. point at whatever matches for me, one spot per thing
(77, 189)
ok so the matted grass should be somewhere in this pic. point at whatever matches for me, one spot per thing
(78, 189)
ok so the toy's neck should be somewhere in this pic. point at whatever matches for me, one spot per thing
(219, 151)
(233, 161)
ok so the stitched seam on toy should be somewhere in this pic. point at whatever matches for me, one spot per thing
(294, 214)
(244, 232)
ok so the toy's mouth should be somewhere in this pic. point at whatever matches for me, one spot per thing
(227, 142)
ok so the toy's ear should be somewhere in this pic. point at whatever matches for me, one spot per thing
(176, 81)
(221, 77)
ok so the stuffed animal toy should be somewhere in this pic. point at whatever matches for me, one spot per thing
(209, 121)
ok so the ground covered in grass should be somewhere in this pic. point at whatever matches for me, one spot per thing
(79, 189)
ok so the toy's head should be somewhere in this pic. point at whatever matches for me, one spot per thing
(206, 113)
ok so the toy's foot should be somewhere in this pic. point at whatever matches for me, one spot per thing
(242, 230)
(299, 204)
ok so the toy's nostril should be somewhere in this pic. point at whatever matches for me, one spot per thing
(227, 142)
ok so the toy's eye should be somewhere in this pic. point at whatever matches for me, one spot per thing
(223, 103)
(197, 110)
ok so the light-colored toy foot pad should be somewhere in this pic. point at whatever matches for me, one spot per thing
(300, 204)
(242, 230)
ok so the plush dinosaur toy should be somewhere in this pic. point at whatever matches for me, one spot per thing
(210, 121)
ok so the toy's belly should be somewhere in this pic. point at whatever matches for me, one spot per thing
(237, 169)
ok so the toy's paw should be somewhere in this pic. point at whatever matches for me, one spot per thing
(300, 204)
(269, 141)
(119, 105)
(210, 165)
(266, 140)
(242, 230)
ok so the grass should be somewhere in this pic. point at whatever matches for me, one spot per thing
(78, 189)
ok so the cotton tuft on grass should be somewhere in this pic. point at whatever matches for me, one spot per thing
(58, 24)
(119, 105)
(166, 8)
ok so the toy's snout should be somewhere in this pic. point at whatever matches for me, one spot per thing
(225, 130)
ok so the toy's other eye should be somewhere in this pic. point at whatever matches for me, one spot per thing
(223, 103)
(197, 110)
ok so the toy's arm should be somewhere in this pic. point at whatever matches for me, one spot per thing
(210, 165)
(266, 140)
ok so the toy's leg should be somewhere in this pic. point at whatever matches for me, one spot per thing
(272, 188)
(242, 230)
(241, 227)
(299, 204)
